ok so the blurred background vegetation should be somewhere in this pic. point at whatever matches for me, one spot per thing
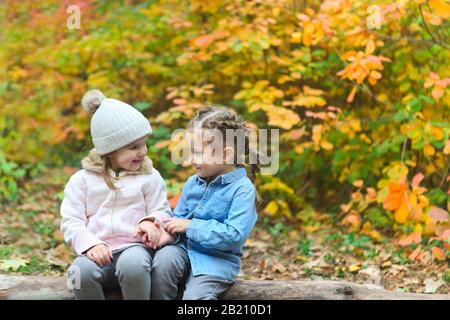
(358, 89)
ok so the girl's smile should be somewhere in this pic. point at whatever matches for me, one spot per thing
(131, 156)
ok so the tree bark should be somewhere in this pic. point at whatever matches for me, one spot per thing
(43, 288)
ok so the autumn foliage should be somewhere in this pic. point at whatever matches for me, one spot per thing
(359, 92)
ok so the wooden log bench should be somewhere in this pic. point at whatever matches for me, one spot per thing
(15, 287)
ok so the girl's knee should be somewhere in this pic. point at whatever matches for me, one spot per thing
(169, 258)
(84, 270)
(134, 262)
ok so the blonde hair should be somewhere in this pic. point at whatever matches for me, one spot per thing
(105, 172)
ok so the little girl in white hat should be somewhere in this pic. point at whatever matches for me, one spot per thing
(115, 199)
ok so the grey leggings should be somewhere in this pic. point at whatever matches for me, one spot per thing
(142, 277)
(171, 266)
(130, 269)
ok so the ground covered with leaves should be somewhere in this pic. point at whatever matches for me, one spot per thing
(31, 243)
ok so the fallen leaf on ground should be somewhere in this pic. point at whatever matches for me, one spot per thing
(431, 285)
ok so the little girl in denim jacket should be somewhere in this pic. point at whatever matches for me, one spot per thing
(116, 197)
(214, 216)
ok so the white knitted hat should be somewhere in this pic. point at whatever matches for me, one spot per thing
(114, 123)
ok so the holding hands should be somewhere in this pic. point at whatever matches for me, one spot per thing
(154, 235)
(176, 225)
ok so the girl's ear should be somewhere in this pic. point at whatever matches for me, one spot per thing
(228, 155)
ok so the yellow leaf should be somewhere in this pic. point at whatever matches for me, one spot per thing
(355, 124)
(423, 201)
(402, 212)
(370, 47)
(398, 172)
(374, 234)
(317, 133)
(354, 268)
(418, 228)
(428, 150)
(375, 74)
(272, 208)
(326, 145)
(308, 33)
(312, 92)
(282, 117)
(440, 7)
(309, 228)
(276, 184)
(308, 101)
(413, 199)
(296, 37)
(348, 54)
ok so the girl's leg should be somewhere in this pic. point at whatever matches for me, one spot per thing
(170, 264)
(133, 268)
(87, 278)
(205, 287)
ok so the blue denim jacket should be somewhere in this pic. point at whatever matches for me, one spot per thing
(223, 214)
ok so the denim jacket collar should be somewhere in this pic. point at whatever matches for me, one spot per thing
(228, 177)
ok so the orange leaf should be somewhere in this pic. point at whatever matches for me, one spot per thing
(174, 200)
(438, 253)
(417, 179)
(351, 96)
(358, 183)
(352, 219)
(447, 147)
(417, 254)
(345, 208)
(395, 196)
(414, 237)
(437, 92)
(445, 235)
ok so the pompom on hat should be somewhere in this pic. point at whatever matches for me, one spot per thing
(114, 123)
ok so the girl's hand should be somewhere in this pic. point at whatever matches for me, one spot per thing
(100, 254)
(177, 225)
(149, 233)
(166, 237)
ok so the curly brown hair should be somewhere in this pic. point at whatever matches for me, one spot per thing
(224, 119)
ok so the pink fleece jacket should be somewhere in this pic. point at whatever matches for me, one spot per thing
(93, 214)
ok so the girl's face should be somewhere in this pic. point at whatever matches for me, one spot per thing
(206, 157)
(130, 157)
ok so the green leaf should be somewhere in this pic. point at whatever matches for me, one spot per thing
(142, 105)
(12, 264)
